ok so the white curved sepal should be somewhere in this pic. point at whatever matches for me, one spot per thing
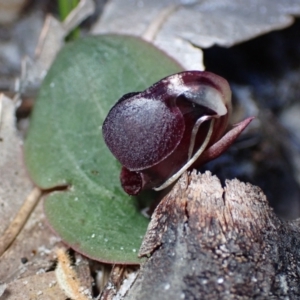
(195, 131)
(191, 161)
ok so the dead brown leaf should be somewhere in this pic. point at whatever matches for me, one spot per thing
(32, 251)
(51, 40)
(182, 24)
(41, 286)
(15, 184)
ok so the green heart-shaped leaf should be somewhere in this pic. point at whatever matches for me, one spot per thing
(64, 145)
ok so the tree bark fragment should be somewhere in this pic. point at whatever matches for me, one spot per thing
(209, 242)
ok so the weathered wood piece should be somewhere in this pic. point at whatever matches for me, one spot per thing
(209, 242)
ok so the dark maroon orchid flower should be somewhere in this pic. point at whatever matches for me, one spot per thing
(173, 125)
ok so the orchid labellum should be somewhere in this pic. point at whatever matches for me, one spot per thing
(177, 123)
